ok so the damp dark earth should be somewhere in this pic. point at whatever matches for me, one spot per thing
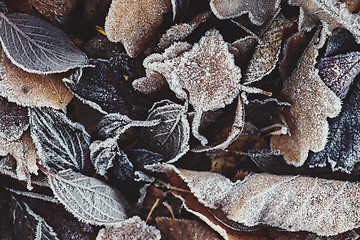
(179, 119)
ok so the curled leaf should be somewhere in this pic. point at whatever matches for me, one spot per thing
(88, 199)
(61, 144)
(36, 46)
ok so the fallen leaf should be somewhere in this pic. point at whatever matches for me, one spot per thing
(342, 149)
(267, 52)
(332, 13)
(197, 70)
(293, 203)
(259, 11)
(29, 225)
(338, 72)
(179, 8)
(341, 41)
(24, 151)
(104, 88)
(138, 26)
(114, 124)
(61, 143)
(185, 229)
(132, 228)
(89, 199)
(36, 46)
(54, 9)
(171, 136)
(312, 102)
(29, 89)
(14, 120)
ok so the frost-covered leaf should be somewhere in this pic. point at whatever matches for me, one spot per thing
(266, 54)
(36, 46)
(3, 7)
(171, 136)
(24, 151)
(206, 74)
(61, 144)
(312, 102)
(138, 26)
(293, 203)
(115, 124)
(338, 72)
(104, 88)
(332, 13)
(29, 89)
(185, 229)
(132, 228)
(142, 157)
(259, 10)
(14, 120)
(88, 199)
(342, 150)
(54, 10)
(29, 225)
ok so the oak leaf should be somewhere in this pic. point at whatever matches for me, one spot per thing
(312, 102)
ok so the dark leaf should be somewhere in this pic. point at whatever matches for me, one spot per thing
(143, 157)
(61, 144)
(3, 7)
(115, 124)
(88, 199)
(104, 88)
(122, 171)
(38, 47)
(338, 72)
(341, 41)
(54, 9)
(171, 136)
(342, 150)
(14, 120)
(29, 225)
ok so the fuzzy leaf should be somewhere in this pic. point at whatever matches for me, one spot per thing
(342, 150)
(312, 102)
(29, 89)
(132, 228)
(338, 72)
(138, 26)
(104, 88)
(88, 199)
(171, 136)
(36, 46)
(61, 144)
(29, 225)
(14, 120)
(294, 203)
(259, 10)
(115, 124)
(267, 52)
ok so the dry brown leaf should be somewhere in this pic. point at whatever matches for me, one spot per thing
(29, 89)
(134, 23)
(54, 8)
(266, 54)
(185, 229)
(332, 13)
(293, 203)
(133, 228)
(312, 102)
(24, 151)
(259, 10)
(243, 49)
